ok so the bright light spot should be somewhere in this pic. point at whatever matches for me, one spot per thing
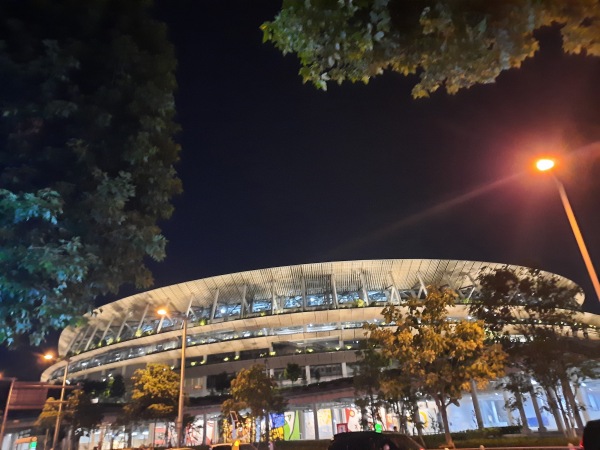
(162, 311)
(544, 164)
(48, 356)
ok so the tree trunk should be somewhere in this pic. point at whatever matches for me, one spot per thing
(417, 421)
(555, 412)
(536, 408)
(476, 408)
(73, 439)
(153, 434)
(442, 408)
(128, 430)
(524, 425)
(570, 397)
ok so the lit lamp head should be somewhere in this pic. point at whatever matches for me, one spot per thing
(545, 164)
(48, 356)
(162, 311)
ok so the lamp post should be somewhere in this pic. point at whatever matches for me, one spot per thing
(5, 415)
(179, 421)
(60, 402)
(544, 165)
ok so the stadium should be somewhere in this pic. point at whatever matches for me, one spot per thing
(311, 315)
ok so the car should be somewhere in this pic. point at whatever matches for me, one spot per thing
(591, 435)
(233, 446)
(372, 440)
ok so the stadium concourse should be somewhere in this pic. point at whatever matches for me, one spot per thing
(311, 315)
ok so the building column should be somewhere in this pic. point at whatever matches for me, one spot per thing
(316, 420)
(344, 370)
(333, 421)
(204, 422)
(307, 374)
(583, 403)
(301, 423)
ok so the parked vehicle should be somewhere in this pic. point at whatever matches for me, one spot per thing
(591, 435)
(372, 440)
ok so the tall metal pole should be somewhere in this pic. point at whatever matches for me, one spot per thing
(578, 236)
(5, 415)
(60, 405)
(179, 423)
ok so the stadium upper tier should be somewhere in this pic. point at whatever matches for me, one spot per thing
(319, 308)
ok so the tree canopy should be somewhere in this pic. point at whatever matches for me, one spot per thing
(537, 319)
(367, 381)
(444, 355)
(254, 389)
(448, 44)
(79, 413)
(292, 372)
(86, 156)
(154, 394)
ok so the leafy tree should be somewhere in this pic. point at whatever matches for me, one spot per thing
(367, 382)
(81, 415)
(78, 413)
(449, 44)
(443, 355)
(518, 384)
(116, 388)
(254, 389)
(86, 156)
(154, 394)
(222, 382)
(316, 375)
(402, 392)
(292, 372)
(544, 313)
(95, 388)
(47, 418)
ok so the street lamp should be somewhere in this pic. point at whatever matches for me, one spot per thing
(544, 165)
(49, 357)
(179, 422)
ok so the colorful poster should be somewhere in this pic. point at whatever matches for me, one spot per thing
(325, 423)
(292, 426)
(353, 419)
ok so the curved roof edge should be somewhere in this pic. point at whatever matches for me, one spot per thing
(407, 274)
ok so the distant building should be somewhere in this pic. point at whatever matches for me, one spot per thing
(310, 314)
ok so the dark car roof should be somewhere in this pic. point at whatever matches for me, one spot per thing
(591, 435)
(365, 440)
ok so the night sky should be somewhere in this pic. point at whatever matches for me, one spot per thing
(277, 173)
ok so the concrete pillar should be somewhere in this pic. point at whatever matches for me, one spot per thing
(301, 423)
(581, 400)
(316, 420)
